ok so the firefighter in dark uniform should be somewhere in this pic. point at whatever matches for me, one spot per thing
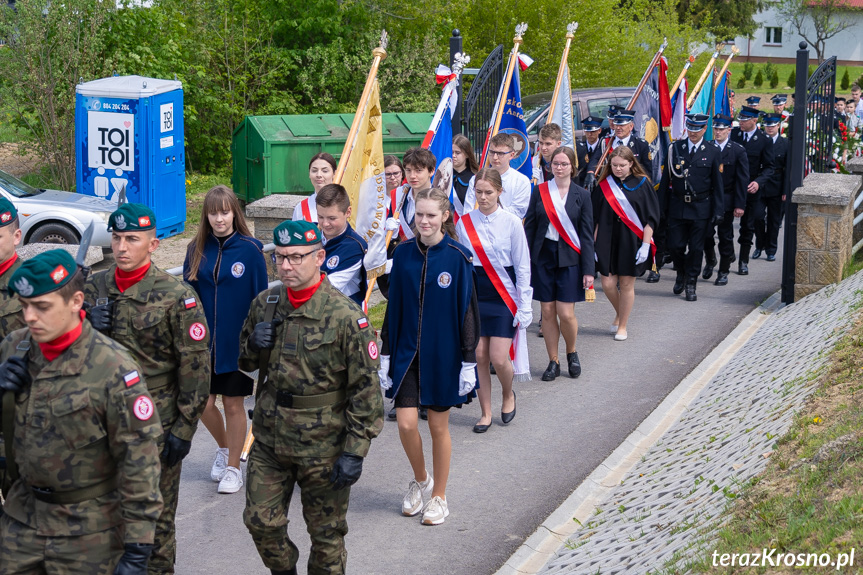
(759, 151)
(768, 218)
(735, 177)
(691, 195)
(589, 151)
(622, 126)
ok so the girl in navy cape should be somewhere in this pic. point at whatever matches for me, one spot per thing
(621, 255)
(226, 267)
(429, 337)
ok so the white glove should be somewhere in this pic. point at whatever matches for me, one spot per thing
(467, 378)
(642, 253)
(389, 266)
(523, 317)
(391, 225)
(595, 257)
(383, 373)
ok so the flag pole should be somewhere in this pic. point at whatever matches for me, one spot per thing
(682, 75)
(520, 29)
(570, 34)
(379, 54)
(707, 70)
(734, 51)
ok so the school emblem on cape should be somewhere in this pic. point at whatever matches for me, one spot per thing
(24, 287)
(120, 222)
(333, 262)
(237, 269)
(444, 280)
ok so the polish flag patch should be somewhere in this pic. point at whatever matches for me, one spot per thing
(131, 378)
(143, 408)
(363, 322)
(144, 221)
(190, 303)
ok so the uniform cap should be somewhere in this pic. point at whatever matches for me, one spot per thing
(8, 213)
(722, 121)
(779, 99)
(623, 117)
(771, 119)
(132, 218)
(696, 122)
(591, 123)
(44, 273)
(839, 99)
(748, 113)
(613, 110)
(302, 233)
(753, 100)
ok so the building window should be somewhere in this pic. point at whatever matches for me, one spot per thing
(774, 36)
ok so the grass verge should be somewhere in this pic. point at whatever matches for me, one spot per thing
(376, 314)
(810, 498)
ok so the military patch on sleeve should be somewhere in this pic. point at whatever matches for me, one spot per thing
(143, 408)
(131, 378)
(363, 323)
(373, 350)
(197, 331)
(190, 303)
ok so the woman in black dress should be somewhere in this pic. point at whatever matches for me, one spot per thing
(464, 167)
(559, 229)
(626, 211)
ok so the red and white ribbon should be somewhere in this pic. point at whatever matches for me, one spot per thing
(554, 207)
(624, 209)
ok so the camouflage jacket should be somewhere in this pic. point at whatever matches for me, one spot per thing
(11, 316)
(323, 346)
(86, 417)
(162, 324)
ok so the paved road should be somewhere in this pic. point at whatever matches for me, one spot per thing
(503, 484)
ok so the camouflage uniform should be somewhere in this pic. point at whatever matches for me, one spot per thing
(87, 418)
(11, 318)
(170, 343)
(326, 345)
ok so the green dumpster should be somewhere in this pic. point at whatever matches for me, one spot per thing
(271, 154)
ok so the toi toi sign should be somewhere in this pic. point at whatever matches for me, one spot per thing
(110, 140)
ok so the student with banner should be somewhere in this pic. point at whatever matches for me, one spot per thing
(501, 260)
(321, 169)
(559, 230)
(516, 186)
(625, 211)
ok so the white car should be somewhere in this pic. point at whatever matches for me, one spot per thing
(55, 217)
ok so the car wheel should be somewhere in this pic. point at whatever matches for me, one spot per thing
(53, 234)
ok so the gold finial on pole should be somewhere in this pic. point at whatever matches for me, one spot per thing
(570, 34)
(701, 80)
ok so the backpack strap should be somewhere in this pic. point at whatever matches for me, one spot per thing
(264, 355)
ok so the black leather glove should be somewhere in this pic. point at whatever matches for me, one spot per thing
(346, 471)
(135, 558)
(14, 376)
(175, 450)
(102, 317)
(589, 181)
(264, 335)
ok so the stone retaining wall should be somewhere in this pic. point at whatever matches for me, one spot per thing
(269, 212)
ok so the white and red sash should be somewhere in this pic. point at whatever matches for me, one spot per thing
(624, 209)
(309, 209)
(554, 207)
(505, 288)
(405, 231)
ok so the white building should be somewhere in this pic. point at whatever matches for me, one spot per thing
(777, 39)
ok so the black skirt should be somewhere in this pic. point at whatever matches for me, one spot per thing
(231, 384)
(409, 391)
(495, 319)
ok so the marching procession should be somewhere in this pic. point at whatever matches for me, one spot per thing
(105, 376)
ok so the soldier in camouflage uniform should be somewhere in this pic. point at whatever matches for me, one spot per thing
(158, 318)
(10, 236)
(318, 411)
(85, 497)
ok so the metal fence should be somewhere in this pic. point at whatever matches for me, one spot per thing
(479, 104)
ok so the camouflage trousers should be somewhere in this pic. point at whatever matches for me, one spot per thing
(23, 552)
(269, 486)
(165, 544)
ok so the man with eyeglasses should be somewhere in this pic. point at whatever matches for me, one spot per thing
(516, 186)
(317, 410)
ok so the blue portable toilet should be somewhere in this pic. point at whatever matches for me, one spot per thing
(129, 132)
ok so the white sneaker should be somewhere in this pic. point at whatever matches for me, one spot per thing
(417, 495)
(232, 481)
(435, 512)
(220, 463)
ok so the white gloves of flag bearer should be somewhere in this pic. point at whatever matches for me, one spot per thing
(642, 253)
(523, 317)
(384, 373)
(391, 225)
(467, 378)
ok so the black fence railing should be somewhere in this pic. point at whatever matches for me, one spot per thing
(479, 104)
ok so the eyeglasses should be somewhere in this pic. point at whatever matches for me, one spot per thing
(293, 259)
(499, 152)
(393, 175)
(559, 165)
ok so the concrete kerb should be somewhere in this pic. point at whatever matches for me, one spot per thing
(543, 544)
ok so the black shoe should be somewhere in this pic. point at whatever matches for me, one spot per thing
(392, 414)
(771, 257)
(552, 371)
(690, 293)
(743, 269)
(480, 428)
(507, 417)
(652, 277)
(756, 253)
(573, 363)
(291, 571)
(721, 279)
(678, 286)
(491, 369)
(708, 270)
(424, 413)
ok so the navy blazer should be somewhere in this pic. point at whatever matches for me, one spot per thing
(735, 175)
(580, 211)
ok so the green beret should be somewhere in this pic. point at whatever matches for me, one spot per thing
(47, 272)
(132, 218)
(8, 213)
(300, 233)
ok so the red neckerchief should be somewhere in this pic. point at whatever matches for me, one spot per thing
(125, 280)
(298, 298)
(4, 267)
(52, 349)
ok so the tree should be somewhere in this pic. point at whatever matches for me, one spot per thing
(741, 83)
(846, 80)
(817, 20)
(792, 79)
(726, 19)
(774, 79)
(759, 79)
